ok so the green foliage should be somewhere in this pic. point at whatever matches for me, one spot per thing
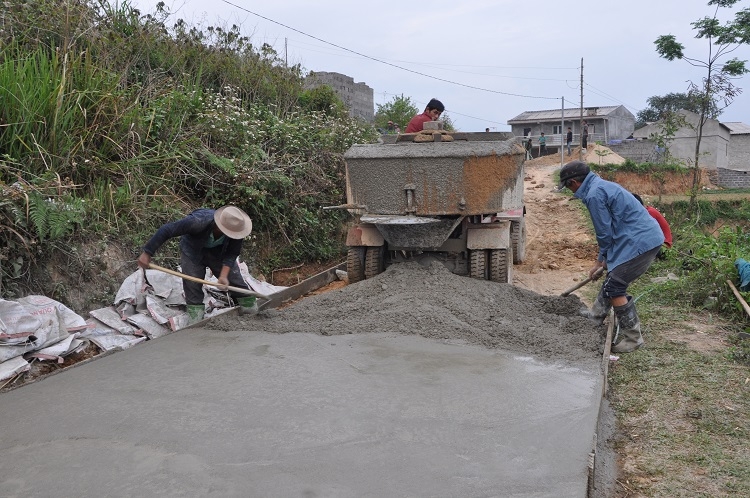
(114, 123)
(54, 218)
(400, 110)
(322, 99)
(631, 166)
(659, 106)
(707, 241)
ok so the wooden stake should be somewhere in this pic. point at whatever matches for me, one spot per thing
(739, 296)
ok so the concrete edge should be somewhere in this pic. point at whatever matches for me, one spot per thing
(592, 469)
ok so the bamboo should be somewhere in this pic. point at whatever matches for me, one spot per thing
(206, 282)
(739, 296)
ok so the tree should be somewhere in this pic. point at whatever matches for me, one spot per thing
(659, 106)
(400, 110)
(716, 86)
(322, 99)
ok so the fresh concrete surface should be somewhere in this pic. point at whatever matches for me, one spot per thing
(242, 413)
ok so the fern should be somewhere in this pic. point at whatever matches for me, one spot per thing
(39, 215)
(54, 218)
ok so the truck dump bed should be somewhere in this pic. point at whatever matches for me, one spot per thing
(459, 178)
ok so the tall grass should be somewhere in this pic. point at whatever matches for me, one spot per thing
(145, 122)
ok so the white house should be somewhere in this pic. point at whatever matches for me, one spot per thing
(737, 172)
(714, 141)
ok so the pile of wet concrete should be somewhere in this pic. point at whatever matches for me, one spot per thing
(434, 303)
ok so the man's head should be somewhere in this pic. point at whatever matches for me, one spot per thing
(542, 134)
(435, 108)
(572, 175)
(233, 222)
(569, 128)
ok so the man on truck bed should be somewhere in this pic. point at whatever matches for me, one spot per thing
(629, 240)
(431, 113)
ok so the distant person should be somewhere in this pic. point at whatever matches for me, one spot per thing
(431, 113)
(661, 220)
(390, 128)
(487, 130)
(397, 129)
(585, 136)
(542, 145)
(629, 240)
(527, 145)
(569, 139)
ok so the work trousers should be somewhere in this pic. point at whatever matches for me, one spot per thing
(209, 259)
(617, 281)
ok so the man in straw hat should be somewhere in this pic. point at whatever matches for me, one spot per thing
(208, 239)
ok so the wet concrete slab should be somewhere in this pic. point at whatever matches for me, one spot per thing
(239, 413)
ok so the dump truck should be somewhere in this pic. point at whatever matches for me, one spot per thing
(457, 199)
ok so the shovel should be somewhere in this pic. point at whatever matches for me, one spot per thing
(206, 282)
(595, 276)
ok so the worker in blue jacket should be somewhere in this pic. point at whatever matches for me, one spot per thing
(629, 240)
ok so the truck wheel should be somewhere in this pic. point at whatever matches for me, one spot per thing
(355, 264)
(373, 261)
(478, 264)
(501, 265)
(518, 240)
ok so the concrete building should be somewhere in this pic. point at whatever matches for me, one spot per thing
(714, 141)
(605, 123)
(358, 97)
(737, 172)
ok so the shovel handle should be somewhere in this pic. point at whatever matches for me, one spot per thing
(577, 286)
(206, 282)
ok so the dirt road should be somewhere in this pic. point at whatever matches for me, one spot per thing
(559, 248)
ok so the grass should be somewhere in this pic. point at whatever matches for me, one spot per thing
(683, 406)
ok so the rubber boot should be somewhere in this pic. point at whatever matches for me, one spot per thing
(629, 336)
(195, 312)
(599, 310)
(248, 305)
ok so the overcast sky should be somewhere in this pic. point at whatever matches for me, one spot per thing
(486, 60)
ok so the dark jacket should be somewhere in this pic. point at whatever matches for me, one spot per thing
(194, 230)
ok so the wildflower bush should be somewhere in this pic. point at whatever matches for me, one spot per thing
(114, 123)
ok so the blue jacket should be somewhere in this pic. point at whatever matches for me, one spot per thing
(624, 229)
(195, 229)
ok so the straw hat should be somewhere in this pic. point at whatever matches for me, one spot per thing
(233, 221)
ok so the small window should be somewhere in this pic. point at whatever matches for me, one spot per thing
(557, 129)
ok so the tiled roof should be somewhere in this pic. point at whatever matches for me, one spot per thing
(737, 128)
(570, 114)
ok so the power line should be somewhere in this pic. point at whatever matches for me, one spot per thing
(604, 94)
(388, 63)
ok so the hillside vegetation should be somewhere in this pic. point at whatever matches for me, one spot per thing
(112, 123)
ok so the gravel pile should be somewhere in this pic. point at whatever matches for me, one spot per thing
(434, 303)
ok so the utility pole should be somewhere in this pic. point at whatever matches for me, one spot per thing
(562, 129)
(580, 119)
(286, 53)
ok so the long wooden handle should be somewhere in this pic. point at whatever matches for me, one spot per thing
(577, 286)
(739, 296)
(206, 282)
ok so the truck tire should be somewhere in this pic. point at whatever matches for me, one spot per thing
(373, 261)
(355, 264)
(478, 264)
(518, 240)
(501, 265)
